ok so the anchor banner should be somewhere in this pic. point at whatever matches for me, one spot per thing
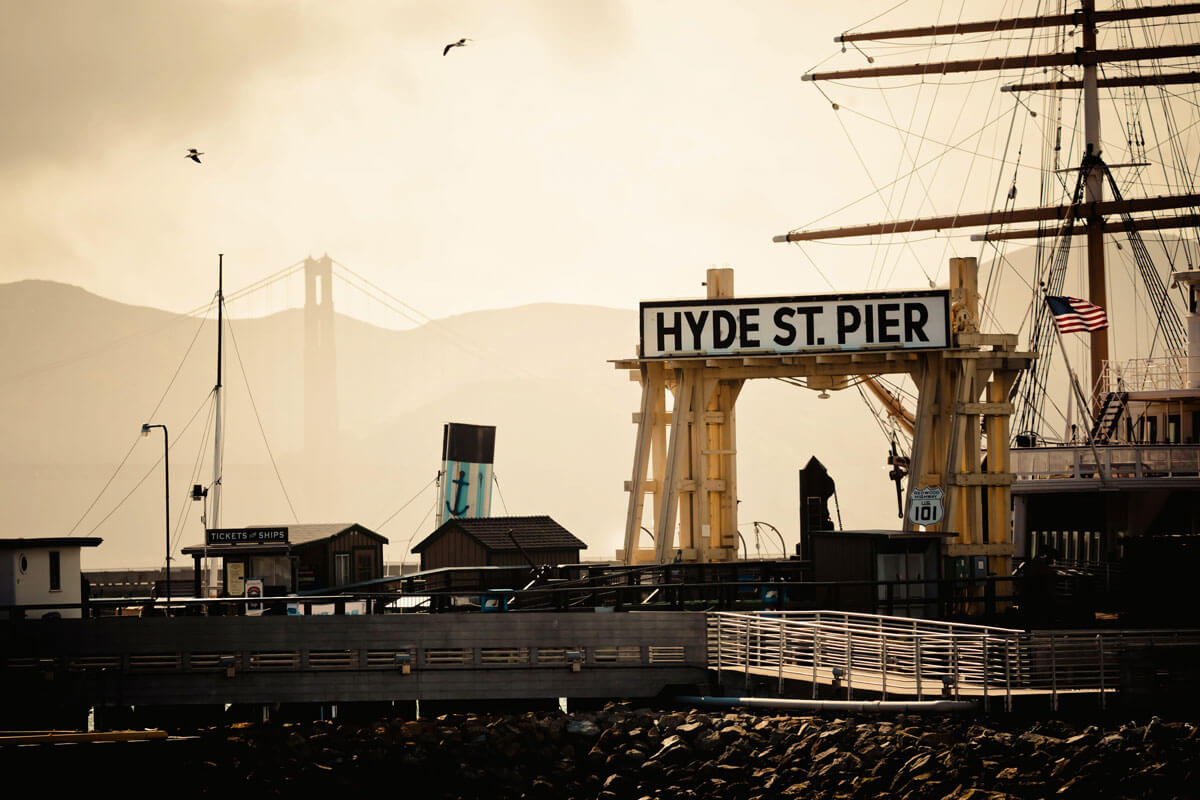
(783, 325)
(467, 454)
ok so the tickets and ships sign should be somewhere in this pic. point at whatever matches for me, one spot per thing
(786, 325)
(235, 536)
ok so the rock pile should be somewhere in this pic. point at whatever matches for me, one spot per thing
(622, 753)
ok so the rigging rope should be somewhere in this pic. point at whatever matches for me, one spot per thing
(258, 418)
(153, 467)
(391, 516)
(129, 452)
(195, 475)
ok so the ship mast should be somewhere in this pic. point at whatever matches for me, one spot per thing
(1093, 208)
(219, 417)
(1093, 193)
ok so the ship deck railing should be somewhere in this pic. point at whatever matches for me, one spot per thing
(895, 657)
(1115, 462)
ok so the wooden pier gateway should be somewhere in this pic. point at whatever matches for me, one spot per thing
(702, 352)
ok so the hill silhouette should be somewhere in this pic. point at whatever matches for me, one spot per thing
(82, 374)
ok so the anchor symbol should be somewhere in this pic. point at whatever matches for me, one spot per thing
(461, 484)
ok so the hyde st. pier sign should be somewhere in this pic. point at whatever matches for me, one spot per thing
(785, 325)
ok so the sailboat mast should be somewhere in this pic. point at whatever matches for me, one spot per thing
(1094, 193)
(219, 400)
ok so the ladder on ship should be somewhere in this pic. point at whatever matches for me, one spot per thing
(1110, 414)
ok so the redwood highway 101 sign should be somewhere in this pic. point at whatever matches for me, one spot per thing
(925, 505)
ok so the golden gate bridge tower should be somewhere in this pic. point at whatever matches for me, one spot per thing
(320, 377)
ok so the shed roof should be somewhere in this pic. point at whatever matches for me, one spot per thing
(50, 541)
(533, 533)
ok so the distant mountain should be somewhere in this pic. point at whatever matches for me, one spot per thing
(82, 373)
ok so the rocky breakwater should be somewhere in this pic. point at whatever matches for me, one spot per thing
(622, 752)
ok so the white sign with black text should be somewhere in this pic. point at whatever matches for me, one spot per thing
(925, 505)
(783, 325)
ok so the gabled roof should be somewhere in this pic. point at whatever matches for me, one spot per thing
(307, 534)
(533, 533)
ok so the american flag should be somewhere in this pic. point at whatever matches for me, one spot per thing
(1072, 314)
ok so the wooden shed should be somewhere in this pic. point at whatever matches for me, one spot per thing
(292, 558)
(867, 561)
(498, 542)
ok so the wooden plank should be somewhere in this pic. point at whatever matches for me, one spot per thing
(982, 479)
(991, 409)
(664, 536)
(1007, 340)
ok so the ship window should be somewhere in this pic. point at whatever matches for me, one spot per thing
(55, 571)
(1173, 431)
(1195, 432)
(1151, 430)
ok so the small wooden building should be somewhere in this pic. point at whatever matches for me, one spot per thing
(42, 570)
(498, 542)
(905, 569)
(291, 558)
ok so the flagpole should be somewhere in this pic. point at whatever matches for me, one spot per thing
(1084, 409)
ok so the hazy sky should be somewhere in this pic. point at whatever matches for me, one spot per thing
(597, 152)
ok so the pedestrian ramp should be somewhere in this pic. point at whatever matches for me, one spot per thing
(902, 657)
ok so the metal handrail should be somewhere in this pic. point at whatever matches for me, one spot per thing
(903, 656)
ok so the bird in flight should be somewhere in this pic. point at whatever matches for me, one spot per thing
(194, 154)
(460, 43)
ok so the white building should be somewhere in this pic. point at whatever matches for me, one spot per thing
(34, 571)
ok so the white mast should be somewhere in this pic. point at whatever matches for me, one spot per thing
(218, 399)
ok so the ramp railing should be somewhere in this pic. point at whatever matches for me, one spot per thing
(902, 656)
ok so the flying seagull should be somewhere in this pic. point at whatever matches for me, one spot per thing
(460, 43)
(194, 154)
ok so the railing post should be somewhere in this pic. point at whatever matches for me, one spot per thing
(1008, 675)
(954, 661)
(849, 661)
(747, 662)
(720, 635)
(816, 653)
(782, 650)
(883, 659)
(1100, 647)
(917, 663)
(1053, 676)
(985, 674)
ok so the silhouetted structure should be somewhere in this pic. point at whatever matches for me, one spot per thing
(292, 558)
(498, 542)
(320, 380)
(816, 487)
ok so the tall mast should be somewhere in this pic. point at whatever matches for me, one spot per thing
(215, 522)
(1094, 193)
(1094, 208)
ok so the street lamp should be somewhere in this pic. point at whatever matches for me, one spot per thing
(146, 426)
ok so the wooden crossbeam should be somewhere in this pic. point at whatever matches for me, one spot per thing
(1109, 226)
(1037, 61)
(1020, 23)
(1033, 214)
(1156, 79)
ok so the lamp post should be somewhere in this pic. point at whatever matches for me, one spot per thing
(146, 426)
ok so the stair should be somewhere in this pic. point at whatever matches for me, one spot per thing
(1109, 416)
